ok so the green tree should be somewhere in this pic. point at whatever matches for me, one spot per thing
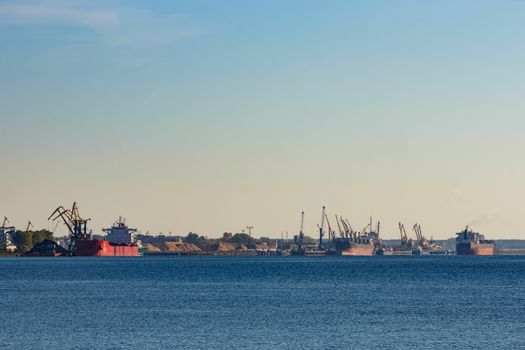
(41, 235)
(21, 241)
(242, 238)
(25, 240)
(192, 238)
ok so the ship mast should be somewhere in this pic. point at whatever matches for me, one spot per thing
(301, 234)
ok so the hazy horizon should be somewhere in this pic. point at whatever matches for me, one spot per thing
(209, 116)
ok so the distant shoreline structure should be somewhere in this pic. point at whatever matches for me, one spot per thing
(341, 239)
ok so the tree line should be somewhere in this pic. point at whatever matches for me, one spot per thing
(26, 240)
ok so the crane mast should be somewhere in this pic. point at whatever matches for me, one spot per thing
(321, 233)
(302, 222)
(300, 238)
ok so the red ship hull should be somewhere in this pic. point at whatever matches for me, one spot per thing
(358, 250)
(94, 247)
(482, 251)
(466, 249)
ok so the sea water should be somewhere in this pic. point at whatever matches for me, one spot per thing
(169, 302)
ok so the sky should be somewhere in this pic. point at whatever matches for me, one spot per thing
(209, 116)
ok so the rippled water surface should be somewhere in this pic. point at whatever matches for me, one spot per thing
(262, 302)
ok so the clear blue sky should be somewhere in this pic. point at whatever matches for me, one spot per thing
(208, 116)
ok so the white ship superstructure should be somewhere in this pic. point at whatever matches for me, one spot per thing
(120, 233)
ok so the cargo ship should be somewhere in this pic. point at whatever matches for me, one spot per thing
(395, 251)
(120, 240)
(354, 247)
(352, 243)
(406, 247)
(473, 243)
(427, 247)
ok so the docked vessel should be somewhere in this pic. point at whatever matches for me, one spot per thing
(355, 248)
(395, 251)
(406, 247)
(469, 242)
(352, 243)
(427, 247)
(120, 240)
(102, 247)
(299, 247)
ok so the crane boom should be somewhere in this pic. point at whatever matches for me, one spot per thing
(349, 226)
(331, 233)
(339, 226)
(402, 233)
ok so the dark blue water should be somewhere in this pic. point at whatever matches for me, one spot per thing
(262, 303)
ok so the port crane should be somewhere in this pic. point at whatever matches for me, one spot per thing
(28, 235)
(331, 232)
(339, 226)
(405, 241)
(299, 239)
(76, 225)
(419, 235)
(423, 242)
(354, 235)
(346, 228)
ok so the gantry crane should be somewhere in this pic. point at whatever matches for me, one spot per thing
(423, 242)
(331, 232)
(404, 237)
(76, 225)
